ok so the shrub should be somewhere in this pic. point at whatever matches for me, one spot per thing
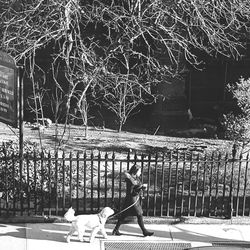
(237, 124)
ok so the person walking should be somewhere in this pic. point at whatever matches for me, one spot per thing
(132, 200)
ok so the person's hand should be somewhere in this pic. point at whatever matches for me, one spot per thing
(144, 186)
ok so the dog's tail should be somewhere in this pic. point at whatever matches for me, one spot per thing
(70, 215)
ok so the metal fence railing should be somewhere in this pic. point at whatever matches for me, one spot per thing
(179, 183)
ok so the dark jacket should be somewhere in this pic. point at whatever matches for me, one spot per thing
(133, 192)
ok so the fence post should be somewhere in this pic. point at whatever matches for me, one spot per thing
(42, 182)
(63, 182)
(155, 184)
(203, 186)
(113, 176)
(238, 186)
(106, 179)
(56, 180)
(35, 181)
(224, 184)
(245, 186)
(28, 185)
(197, 185)
(84, 181)
(6, 181)
(216, 208)
(77, 181)
(230, 212)
(20, 80)
(183, 182)
(70, 178)
(190, 184)
(176, 184)
(169, 183)
(14, 184)
(98, 179)
(162, 183)
(211, 185)
(128, 160)
(120, 186)
(148, 178)
(49, 180)
(91, 181)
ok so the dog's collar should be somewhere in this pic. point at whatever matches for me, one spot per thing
(100, 218)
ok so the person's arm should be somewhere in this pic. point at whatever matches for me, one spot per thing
(133, 185)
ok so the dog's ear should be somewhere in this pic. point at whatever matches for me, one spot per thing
(103, 213)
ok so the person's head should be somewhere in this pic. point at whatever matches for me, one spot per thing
(135, 170)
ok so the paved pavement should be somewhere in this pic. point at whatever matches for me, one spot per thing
(51, 236)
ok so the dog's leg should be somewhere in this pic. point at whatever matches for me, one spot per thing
(71, 231)
(103, 231)
(81, 232)
(93, 234)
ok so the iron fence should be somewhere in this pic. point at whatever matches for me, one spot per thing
(179, 183)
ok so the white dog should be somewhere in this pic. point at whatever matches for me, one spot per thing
(95, 222)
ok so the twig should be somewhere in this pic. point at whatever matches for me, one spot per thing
(157, 129)
(13, 131)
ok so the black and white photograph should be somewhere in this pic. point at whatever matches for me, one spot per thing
(124, 124)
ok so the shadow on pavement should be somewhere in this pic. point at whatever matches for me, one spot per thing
(51, 232)
(208, 234)
(55, 232)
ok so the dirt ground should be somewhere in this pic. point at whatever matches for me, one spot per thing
(108, 140)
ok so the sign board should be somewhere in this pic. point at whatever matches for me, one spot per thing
(8, 90)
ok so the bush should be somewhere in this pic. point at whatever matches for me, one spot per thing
(10, 181)
(237, 125)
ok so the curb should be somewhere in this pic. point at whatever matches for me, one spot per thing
(132, 219)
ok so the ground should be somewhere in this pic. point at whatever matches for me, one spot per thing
(108, 140)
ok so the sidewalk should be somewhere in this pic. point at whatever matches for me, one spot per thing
(51, 236)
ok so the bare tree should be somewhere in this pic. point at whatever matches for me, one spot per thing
(31, 26)
(122, 94)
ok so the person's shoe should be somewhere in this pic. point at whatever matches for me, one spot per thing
(116, 232)
(147, 233)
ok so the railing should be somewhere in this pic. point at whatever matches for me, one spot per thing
(179, 183)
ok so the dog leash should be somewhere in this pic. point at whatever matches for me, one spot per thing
(125, 209)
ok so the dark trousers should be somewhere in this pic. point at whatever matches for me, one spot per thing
(139, 220)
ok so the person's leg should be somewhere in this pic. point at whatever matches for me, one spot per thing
(116, 229)
(141, 224)
(118, 224)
